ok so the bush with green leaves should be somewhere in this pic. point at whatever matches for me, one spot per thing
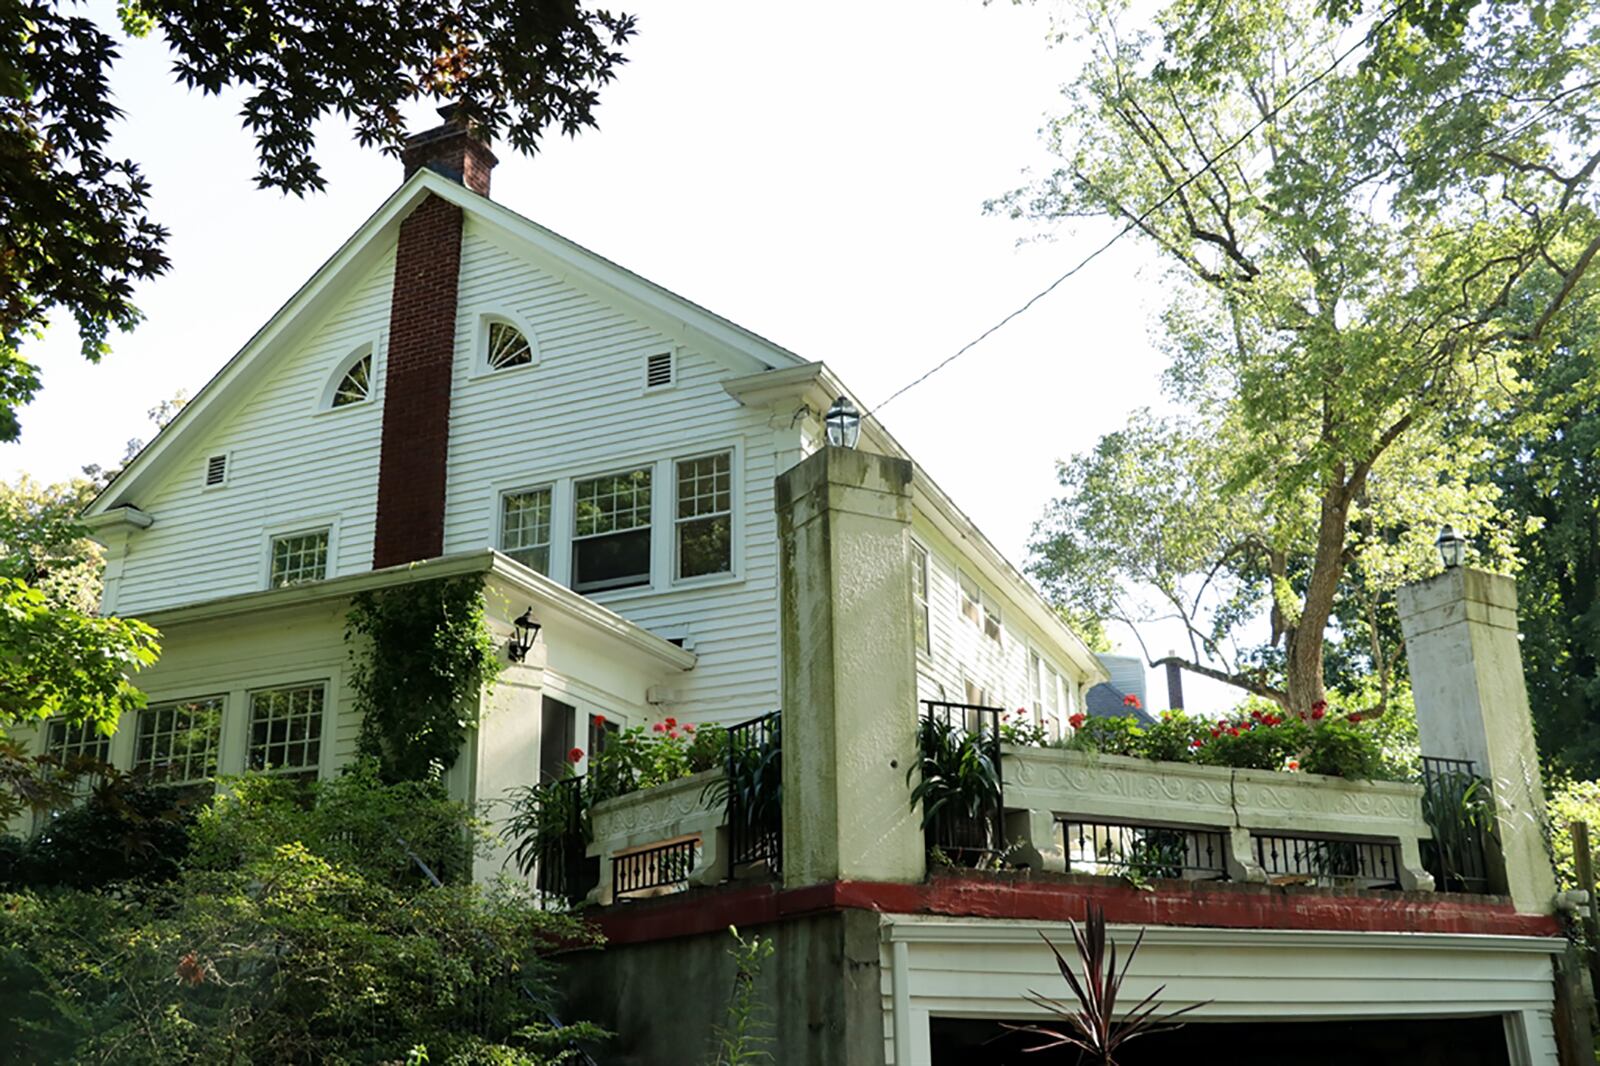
(1571, 801)
(284, 939)
(126, 829)
(1107, 736)
(957, 783)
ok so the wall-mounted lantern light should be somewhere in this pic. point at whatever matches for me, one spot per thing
(1452, 547)
(522, 639)
(844, 424)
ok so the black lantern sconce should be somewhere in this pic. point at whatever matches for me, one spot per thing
(522, 639)
(844, 424)
(1452, 547)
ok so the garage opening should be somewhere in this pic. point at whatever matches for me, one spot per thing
(1471, 1041)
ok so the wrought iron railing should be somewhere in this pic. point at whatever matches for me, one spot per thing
(1457, 804)
(1288, 859)
(755, 792)
(565, 870)
(663, 866)
(970, 829)
(1145, 852)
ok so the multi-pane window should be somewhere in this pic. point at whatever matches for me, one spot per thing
(705, 515)
(77, 747)
(177, 742)
(508, 347)
(298, 558)
(919, 598)
(286, 729)
(1035, 669)
(1052, 699)
(525, 528)
(356, 385)
(978, 608)
(611, 531)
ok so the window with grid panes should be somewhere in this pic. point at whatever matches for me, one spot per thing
(611, 531)
(919, 598)
(525, 528)
(286, 730)
(177, 742)
(1052, 699)
(298, 558)
(1035, 668)
(705, 515)
(76, 744)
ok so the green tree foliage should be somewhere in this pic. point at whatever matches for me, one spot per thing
(297, 930)
(1547, 464)
(1363, 255)
(78, 235)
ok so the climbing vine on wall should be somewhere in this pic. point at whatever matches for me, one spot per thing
(421, 655)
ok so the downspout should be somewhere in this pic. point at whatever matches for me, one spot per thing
(900, 975)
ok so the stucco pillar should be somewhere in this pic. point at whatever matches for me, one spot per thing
(504, 749)
(1472, 703)
(849, 670)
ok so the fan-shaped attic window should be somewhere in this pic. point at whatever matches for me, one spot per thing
(352, 383)
(508, 347)
(356, 385)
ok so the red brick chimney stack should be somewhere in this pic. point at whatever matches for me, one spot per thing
(421, 351)
(455, 150)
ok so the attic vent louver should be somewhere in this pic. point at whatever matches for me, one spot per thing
(216, 470)
(658, 370)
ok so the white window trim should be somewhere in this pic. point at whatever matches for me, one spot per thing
(128, 758)
(330, 525)
(674, 352)
(653, 582)
(500, 518)
(227, 469)
(924, 653)
(735, 569)
(246, 716)
(480, 344)
(371, 346)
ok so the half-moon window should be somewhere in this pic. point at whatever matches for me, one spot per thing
(508, 347)
(356, 385)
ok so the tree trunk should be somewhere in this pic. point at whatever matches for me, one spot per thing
(1304, 644)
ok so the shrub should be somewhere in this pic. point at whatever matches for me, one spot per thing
(1108, 736)
(1173, 737)
(1571, 801)
(1266, 742)
(125, 830)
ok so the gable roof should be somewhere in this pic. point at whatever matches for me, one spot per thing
(742, 350)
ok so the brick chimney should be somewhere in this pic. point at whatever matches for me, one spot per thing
(455, 150)
(422, 340)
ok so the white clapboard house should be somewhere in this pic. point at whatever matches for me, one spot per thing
(458, 390)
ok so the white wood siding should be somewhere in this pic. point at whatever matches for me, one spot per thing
(290, 466)
(583, 410)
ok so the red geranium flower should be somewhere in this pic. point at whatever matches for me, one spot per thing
(1077, 720)
(1197, 743)
(1130, 700)
(659, 727)
(1255, 714)
(689, 727)
(1317, 713)
(1233, 731)
(1320, 705)
(599, 719)
(575, 755)
(1354, 719)
(671, 722)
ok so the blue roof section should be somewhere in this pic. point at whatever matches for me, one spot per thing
(1105, 701)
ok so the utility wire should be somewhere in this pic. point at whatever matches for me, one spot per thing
(1205, 168)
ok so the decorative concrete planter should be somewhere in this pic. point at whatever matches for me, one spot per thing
(677, 810)
(1043, 785)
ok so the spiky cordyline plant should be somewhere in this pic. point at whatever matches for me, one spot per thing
(1092, 1025)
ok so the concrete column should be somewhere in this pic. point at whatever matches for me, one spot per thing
(1472, 703)
(503, 752)
(849, 670)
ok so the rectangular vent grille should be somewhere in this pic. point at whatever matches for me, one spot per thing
(216, 470)
(658, 370)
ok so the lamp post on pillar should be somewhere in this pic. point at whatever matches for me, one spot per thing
(1472, 703)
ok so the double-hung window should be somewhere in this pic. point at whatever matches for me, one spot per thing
(919, 598)
(978, 608)
(611, 531)
(77, 747)
(177, 742)
(525, 528)
(298, 558)
(1035, 670)
(286, 730)
(1052, 699)
(704, 522)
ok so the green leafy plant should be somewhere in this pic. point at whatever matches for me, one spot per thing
(958, 785)
(1092, 1027)
(1109, 736)
(1342, 749)
(742, 1037)
(753, 779)
(421, 655)
(1172, 738)
(1258, 741)
(1018, 727)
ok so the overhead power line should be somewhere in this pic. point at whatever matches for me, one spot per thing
(1133, 223)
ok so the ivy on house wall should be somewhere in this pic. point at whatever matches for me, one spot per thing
(421, 655)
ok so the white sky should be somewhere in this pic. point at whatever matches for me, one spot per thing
(818, 180)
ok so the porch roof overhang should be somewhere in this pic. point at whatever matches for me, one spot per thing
(552, 600)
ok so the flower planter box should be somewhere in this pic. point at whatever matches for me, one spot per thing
(677, 810)
(1043, 785)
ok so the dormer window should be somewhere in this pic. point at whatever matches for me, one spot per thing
(356, 385)
(507, 347)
